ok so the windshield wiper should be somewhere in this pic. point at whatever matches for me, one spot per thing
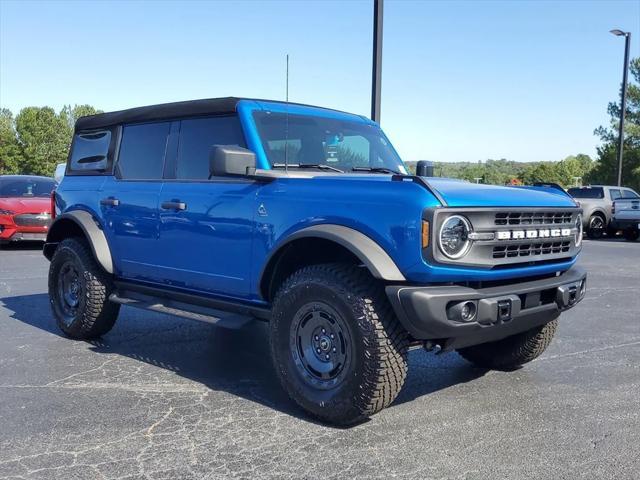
(320, 166)
(375, 170)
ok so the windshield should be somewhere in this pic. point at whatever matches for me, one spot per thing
(334, 145)
(26, 187)
(596, 192)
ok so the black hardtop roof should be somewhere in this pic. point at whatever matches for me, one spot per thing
(190, 108)
(210, 106)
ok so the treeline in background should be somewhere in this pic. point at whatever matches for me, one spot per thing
(38, 138)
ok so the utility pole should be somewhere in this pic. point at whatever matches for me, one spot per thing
(376, 74)
(625, 71)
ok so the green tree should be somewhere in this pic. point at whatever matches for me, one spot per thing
(11, 157)
(541, 172)
(44, 137)
(573, 167)
(606, 168)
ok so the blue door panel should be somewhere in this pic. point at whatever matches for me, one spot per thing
(207, 246)
(132, 227)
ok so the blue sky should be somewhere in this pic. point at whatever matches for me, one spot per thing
(462, 81)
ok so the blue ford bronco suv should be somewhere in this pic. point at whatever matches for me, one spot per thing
(307, 218)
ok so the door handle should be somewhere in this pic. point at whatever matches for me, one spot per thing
(110, 202)
(177, 205)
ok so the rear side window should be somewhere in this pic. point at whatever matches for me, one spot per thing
(615, 194)
(596, 192)
(197, 136)
(92, 152)
(142, 151)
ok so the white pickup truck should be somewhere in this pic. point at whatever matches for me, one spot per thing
(626, 217)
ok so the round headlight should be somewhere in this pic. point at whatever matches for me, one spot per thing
(578, 227)
(454, 236)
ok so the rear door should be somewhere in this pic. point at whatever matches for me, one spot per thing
(206, 224)
(129, 200)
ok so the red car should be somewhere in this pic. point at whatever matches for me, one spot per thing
(25, 207)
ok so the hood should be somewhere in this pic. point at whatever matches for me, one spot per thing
(458, 193)
(26, 204)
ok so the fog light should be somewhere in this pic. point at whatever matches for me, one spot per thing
(583, 287)
(468, 311)
(462, 311)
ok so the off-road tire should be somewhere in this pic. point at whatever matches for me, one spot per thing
(95, 315)
(378, 365)
(631, 234)
(511, 352)
(596, 233)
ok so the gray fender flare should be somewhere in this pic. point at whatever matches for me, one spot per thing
(92, 231)
(372, 255)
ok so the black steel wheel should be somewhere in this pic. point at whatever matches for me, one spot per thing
(337, 347)
(596, 226)
(320, 345)
(79, 292)
(70, 288)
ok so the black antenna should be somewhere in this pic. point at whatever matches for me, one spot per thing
(286, 127)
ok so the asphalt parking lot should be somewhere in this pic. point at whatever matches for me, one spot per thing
(165, 398)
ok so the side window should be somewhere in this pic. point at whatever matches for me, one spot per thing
(615, 194)
(197, 136)
(91, 152)
(629, 194)
(142, 151)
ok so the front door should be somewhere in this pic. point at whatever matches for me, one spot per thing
(206, 225)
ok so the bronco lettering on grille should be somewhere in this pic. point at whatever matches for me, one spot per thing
(539, 233)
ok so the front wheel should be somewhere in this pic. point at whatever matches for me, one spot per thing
(338, 349)
(511, 352)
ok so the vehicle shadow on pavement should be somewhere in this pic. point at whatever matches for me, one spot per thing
(23, 245)
(236, 361)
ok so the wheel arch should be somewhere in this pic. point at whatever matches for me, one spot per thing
(79, 223)
(597, 211)
(325, 244)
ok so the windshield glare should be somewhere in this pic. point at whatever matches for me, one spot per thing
(312, 140)
(25, 187)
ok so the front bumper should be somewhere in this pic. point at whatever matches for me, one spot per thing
(11, 232)
(434, 313)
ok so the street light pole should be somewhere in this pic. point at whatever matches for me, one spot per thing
(376, 74)
(625, 71)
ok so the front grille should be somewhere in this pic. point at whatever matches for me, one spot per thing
(529, 249)
(32, 220)
(532, 218)
(507, 237)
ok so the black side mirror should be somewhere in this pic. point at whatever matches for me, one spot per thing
(424, 168)
(231, 160)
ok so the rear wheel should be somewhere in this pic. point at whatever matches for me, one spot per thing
(631, 234)
(596, 226)
(511, 352)
(337, 347)
(79, 292)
